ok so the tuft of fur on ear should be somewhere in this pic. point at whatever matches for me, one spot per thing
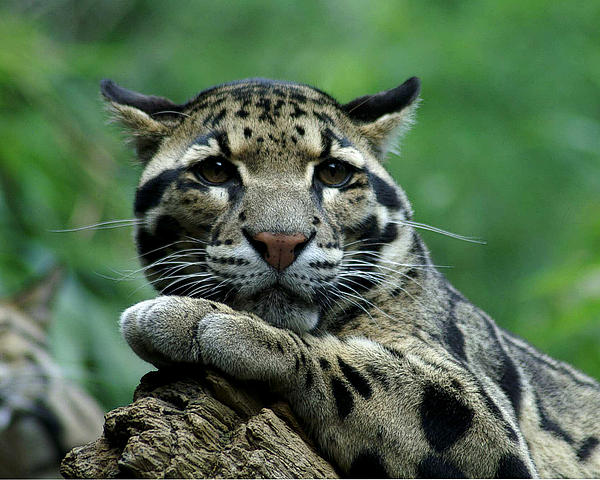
(149, 119)
(383, 118)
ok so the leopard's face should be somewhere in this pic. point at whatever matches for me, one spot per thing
(262, 195)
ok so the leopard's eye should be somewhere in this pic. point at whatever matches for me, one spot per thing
(214, 170)
(333, 173)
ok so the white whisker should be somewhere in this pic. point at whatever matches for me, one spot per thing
(128, 222)
(424, 226)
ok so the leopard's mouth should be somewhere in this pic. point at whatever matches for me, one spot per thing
(282, 307)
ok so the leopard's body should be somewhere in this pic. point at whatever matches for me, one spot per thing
(392, 371)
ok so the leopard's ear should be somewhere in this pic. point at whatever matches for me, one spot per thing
(385, 116)
(148, 119)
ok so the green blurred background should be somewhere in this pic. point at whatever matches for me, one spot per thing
(506, 148)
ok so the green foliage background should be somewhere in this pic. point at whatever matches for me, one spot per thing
(506, 147)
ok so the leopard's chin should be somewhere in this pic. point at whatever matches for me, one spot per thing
(281, 308)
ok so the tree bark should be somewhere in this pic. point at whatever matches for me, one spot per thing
(197, 423)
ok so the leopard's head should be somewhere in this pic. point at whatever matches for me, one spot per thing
(269, 196)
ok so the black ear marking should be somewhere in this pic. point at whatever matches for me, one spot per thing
(370, 107)
(149, 104)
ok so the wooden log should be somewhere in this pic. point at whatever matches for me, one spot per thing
(189, 422)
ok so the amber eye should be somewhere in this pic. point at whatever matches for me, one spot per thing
(214, 170)
(333, 173)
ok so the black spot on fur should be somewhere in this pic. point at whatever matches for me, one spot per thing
(511, 466)
(300, 130)
(380, 375)
(455, 339)
(369, 230)
(217, 119)
(316, 221)
(412, 273)
(550, 425)
(367, 465)
(310, 377)
(280, 347)
(149, 247)
(495, 410)
(303, 359)
(323, 117)
(150, 193)
(242, 216)
(223, 141)
(384, 192)
(389, 234)
(510, 382)
(242, 114)
(417, 248)
(299, 97)
(356, 379)
(587, 447)
(343, 397)
(167, 229)
(298, 112)
(247, 132)
(444, 418)
(325, 144)
(433, 466)
(397, 354)
(325, 365)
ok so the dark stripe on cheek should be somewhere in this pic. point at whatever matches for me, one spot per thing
(342, 396)
(385, 193)
(151, 246)
(150, 193)
(148, 246)
(390, 233)
(167, 229)
(368, 229)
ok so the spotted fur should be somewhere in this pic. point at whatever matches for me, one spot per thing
(392, 371)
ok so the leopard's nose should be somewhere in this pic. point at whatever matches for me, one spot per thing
(278, 249)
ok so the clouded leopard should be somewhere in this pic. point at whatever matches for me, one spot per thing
(284, 252)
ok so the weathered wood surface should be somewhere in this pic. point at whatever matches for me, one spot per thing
(185, 423)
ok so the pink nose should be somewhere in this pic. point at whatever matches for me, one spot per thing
(278, 249)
